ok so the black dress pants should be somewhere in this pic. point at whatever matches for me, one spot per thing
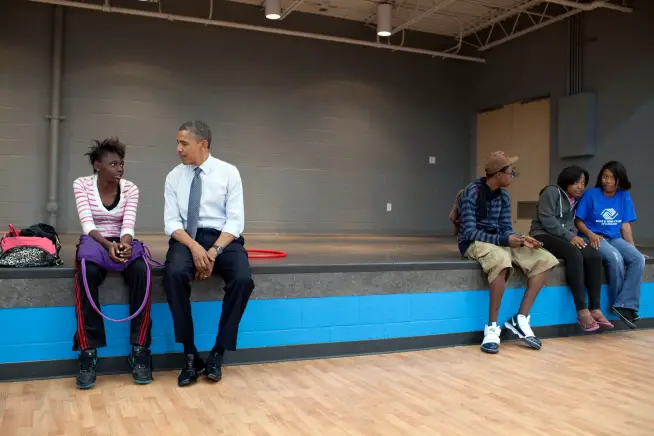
(232, 266)
(583, 269)
(90, 325)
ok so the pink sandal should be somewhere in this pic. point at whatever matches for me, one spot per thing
(605, 324)
(586, 329)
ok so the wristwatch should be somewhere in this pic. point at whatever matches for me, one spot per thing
(219, 249)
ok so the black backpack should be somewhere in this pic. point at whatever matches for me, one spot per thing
(455, 213)
(43, 231)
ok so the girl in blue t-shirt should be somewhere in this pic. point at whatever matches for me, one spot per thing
(604, 217)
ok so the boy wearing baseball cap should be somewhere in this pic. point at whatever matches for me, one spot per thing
(486, 235)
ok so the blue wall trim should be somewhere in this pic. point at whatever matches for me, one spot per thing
(38, 334)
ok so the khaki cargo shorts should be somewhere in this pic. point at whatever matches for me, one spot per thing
(493, 259)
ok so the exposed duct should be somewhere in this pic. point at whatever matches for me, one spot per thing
(233, 25)
(576, 54)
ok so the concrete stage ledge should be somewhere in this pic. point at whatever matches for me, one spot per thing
(30, 287)
(296, 311)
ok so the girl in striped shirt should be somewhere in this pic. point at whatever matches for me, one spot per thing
(106, 204)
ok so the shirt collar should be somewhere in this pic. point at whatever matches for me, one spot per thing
(206, 166)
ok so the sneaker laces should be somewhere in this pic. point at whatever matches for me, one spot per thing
(86, 362)
(523, 322)
(141, 356)
(492, 334)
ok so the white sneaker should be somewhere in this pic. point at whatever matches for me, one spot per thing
(491, 342)
(519, 325)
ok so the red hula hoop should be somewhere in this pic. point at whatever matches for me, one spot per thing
(264, 254)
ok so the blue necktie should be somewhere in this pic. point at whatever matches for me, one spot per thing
(193, 213)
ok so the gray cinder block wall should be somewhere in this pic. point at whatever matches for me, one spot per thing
(24, 104)
(324, 134)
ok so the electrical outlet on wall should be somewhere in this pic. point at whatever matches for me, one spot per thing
(389, 207)
(432, 159)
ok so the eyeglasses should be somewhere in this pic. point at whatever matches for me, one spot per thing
(513, 173)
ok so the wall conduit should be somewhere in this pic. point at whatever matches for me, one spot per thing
(55, 112)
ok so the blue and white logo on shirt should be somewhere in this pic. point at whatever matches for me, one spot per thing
(609, 214)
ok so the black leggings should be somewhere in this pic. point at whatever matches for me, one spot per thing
(582, 268)
(90, 325)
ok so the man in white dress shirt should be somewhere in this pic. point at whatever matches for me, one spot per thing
(204, 217)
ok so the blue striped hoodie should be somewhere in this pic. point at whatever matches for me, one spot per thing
(495, 228)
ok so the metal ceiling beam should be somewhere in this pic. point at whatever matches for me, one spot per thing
(234, 25)
(493, 18)
(597, 4)
(443, 4)
(485, 4)
(286, 12)
(571, 9)
(501, 7)
(514, 35)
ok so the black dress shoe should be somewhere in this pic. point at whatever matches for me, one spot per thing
(635, 316)
(626, 315)
(213, 369)
(193, 366)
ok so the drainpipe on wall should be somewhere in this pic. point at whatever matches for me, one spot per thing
(55, 112)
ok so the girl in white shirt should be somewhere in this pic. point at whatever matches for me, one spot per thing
(106, 205)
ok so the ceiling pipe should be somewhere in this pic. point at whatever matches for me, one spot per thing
(232, 25)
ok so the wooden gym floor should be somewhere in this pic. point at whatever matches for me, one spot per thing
(593, 385)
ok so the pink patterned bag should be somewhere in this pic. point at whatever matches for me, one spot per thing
(27, 251)
(13, 239)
